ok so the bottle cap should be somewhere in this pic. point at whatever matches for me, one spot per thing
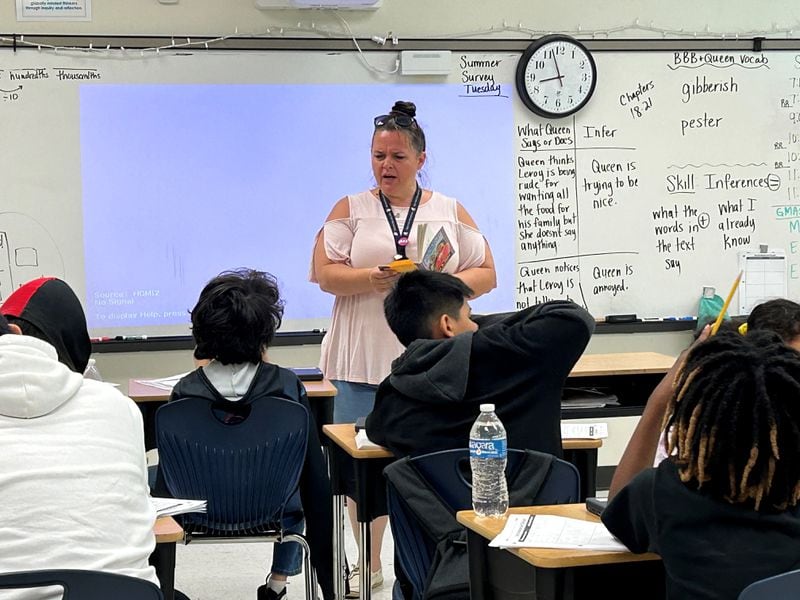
(487, 407)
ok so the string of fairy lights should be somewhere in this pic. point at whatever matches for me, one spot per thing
(342, 30)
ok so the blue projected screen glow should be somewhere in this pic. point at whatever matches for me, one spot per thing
(181, 182)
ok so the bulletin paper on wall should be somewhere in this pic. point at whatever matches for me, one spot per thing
(54, 10)
(763, 278)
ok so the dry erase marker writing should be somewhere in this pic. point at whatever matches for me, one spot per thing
(128, 338)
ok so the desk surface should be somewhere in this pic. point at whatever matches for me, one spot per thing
(622, 363)
(167, 530)
(344, 434)
(551, 558)
(141, 392)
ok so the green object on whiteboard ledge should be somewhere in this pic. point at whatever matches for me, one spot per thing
(708, 310)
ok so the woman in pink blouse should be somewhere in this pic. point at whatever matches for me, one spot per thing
(395, 219)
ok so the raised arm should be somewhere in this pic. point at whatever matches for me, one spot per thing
(341, 279)
(483, 278)
(641, 449)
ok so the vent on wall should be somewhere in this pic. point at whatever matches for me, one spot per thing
(329, 4)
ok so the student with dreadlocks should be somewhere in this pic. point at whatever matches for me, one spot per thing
(779, 315)
(722, 511)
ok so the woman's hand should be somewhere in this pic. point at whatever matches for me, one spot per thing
(382, 281)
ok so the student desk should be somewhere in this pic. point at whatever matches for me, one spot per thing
(168, 533)
(631, 376)
(368, 464)
(550, 574)
(622, 364)
(320, 394)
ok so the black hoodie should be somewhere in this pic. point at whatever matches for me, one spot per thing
(48, 309)
(517, 361)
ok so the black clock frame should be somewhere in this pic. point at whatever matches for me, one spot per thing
(522, 65)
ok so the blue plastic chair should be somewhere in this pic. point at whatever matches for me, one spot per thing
(448, 474)
(244, 459)
(785, 586)
(84, 585)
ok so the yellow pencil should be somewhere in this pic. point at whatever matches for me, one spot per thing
(721, 315)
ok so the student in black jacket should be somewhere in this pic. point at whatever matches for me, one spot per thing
(233, 323)
(723, 510)
(454, 363)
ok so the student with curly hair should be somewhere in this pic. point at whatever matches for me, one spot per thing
(722, 510)
(233, 324)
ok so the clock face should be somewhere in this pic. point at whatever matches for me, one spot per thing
(556, 76)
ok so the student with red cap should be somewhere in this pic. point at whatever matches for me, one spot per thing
(73, 479)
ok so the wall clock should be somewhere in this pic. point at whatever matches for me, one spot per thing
(556, 76)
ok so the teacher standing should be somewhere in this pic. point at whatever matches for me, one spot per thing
(396, 219)
(371, 228)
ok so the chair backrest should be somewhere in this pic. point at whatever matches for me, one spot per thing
(243, 459)
(84, 585)
(785, 586)
(448, 473)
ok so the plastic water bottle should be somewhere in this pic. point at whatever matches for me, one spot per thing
(91, 371)
(487, 457)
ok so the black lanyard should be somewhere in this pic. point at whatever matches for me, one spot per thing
(401, 237)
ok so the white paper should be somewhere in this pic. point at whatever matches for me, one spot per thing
(167, 507)
(54, 10)
(764, 278)
(363, 442)
(580, 431)
(163, 383)
(551, 531)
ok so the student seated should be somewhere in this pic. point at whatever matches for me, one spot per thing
(73, 479)
(779, 315)
(454, 362)
(722, 509)
(34, 308)
(233, 323)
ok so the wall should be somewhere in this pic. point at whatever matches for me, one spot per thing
(421, 18)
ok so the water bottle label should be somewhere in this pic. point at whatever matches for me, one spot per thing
(487, 448)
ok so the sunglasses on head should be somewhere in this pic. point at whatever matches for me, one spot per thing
(403, 121)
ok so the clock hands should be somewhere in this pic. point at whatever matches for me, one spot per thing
(558, 76)
(558, 72)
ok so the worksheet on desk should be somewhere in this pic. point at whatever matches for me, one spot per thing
(551, 531)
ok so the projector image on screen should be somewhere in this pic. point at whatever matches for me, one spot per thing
(330, 4)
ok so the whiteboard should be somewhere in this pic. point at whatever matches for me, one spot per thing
(139, 178)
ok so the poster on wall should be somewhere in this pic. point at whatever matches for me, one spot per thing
(54, 10)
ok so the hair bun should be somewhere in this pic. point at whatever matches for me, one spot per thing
(405, 108)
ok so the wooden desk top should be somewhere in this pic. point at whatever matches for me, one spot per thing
(167, 530)
(551, 558)
(622, 363)
(581, 444)
(141, 392)
(344, 434)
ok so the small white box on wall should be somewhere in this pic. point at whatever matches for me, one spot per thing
(425, 62)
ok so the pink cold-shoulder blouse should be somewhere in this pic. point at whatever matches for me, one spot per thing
(359, 346)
